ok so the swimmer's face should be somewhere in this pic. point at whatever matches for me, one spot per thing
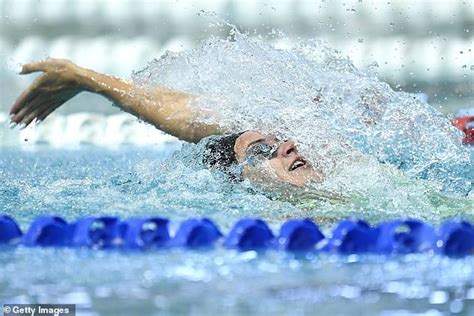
(259, 151)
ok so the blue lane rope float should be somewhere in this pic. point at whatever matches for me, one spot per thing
(407, 236)
(47, 231)
(196, 233)
(352, 236)
(299, 235)
(9, 229)
(249, 234)
(452, 238)
(140, 233)
(95, 232)
(456, 238)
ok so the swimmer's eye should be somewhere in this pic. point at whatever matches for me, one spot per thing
(261, 150)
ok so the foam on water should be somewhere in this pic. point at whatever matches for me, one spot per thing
(379, 149)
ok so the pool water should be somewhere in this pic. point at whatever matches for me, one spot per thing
(133, 181)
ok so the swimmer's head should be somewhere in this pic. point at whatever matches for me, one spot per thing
(261, 157)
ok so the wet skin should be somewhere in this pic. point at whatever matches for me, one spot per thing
(286, 163)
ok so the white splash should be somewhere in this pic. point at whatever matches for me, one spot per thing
(342, 118)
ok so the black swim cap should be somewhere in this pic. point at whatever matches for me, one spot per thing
(219, 154)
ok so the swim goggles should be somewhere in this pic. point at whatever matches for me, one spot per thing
(261, 151)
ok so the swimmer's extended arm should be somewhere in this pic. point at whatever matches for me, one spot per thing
(61, 80)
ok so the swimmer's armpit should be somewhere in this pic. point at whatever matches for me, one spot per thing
(61, 80)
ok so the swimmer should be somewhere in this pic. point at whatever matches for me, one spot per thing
(272, 166)
(169, 111)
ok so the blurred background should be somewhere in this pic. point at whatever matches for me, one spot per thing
(422, 46)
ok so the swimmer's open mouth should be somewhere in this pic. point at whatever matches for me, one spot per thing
(298, 163)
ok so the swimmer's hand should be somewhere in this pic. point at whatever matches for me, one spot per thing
(50, 90)
(61, 80)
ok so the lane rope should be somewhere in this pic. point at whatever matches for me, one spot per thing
(351, 236)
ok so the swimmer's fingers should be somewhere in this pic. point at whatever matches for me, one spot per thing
(41, 104)
(40, 114)
(35, 113)
(39, 110)
(26, 97)
(45, 108)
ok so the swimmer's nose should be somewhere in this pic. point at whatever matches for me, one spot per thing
(287, 148)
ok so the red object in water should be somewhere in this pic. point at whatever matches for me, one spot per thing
(469, 138)
(465, 122)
